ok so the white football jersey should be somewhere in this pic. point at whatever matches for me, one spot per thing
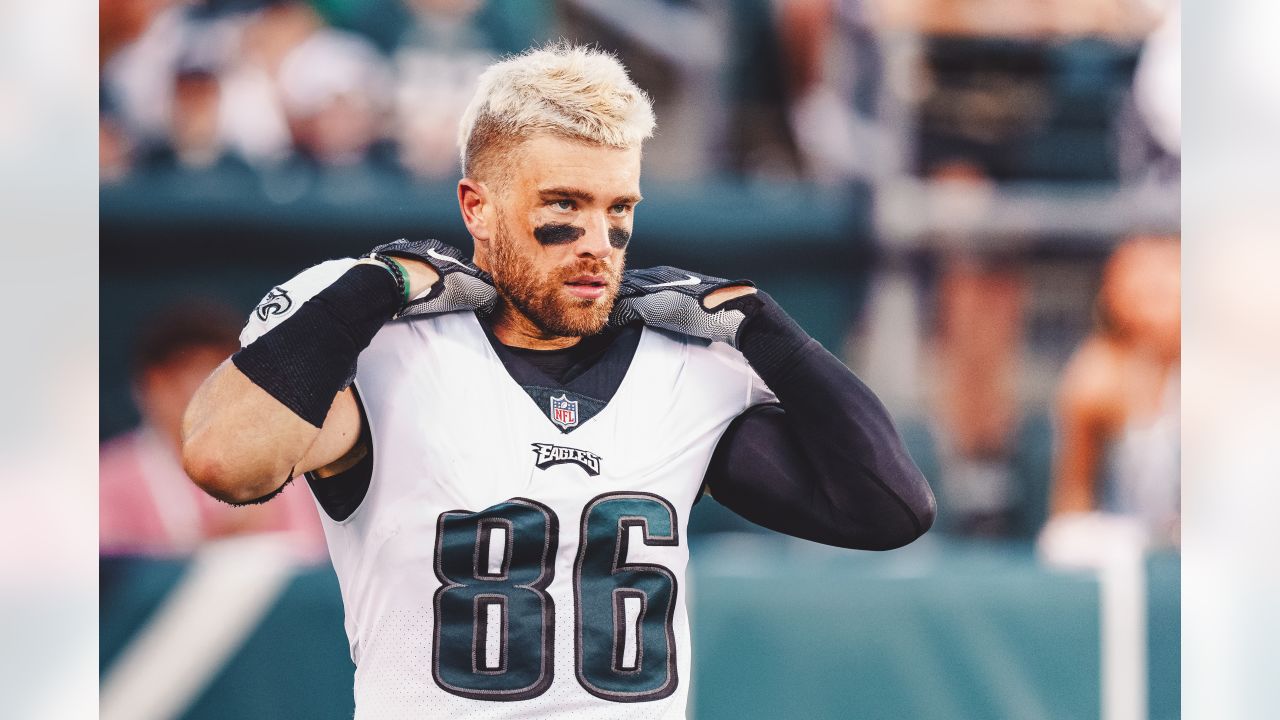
(515, 561)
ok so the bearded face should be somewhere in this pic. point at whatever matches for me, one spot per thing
(558, 300)
(552, 222)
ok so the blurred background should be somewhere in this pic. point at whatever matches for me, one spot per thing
(975, 203)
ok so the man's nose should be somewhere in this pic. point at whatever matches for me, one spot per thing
(595, 241)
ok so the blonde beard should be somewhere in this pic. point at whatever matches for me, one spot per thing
(540, 299)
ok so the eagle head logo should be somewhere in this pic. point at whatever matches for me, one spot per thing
(277, 302)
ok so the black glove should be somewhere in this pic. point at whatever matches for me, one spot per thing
(462, 285)
(671, 299)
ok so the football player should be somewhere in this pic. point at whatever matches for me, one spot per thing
(505, 449)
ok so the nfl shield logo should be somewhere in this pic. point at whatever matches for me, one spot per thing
(564, 412)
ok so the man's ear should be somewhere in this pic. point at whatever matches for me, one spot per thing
(475, 200)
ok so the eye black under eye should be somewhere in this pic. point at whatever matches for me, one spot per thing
(619, 237)
(557, 233)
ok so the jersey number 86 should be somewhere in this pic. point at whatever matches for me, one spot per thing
(495, 622)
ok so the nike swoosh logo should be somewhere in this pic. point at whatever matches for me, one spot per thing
(691, 280)
(432, 252)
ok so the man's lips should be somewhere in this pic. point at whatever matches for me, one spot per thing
(587, 286)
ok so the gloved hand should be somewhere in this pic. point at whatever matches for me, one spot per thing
(462, 285)
(673, 299)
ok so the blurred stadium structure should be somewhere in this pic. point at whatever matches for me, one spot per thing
(931, 188)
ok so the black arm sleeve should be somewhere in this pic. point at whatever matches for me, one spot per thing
(311, 356)
(827, 464)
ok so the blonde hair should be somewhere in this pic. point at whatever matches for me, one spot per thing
(567, 90)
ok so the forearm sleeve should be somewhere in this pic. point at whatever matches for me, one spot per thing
(309, 357)
(826, 464)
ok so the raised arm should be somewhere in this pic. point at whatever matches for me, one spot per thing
(825, 463)
(282, 405)
(240, 444)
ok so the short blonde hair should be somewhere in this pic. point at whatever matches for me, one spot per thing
(568, 90)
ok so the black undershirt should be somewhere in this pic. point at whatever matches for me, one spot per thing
(564, 364)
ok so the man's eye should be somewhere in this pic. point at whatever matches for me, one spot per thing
(620, 209)
(562, 204)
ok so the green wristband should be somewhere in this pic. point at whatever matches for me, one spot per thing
(404, 276)
(398, 273)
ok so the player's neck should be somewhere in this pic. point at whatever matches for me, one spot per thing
(514, 329)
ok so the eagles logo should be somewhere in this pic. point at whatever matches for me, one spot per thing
(277, 302)
(548, 455)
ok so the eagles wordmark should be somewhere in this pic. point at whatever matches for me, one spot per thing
(548, 455)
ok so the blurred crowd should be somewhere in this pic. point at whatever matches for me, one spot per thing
(199, 84)
(771, 88)
(146, 503)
